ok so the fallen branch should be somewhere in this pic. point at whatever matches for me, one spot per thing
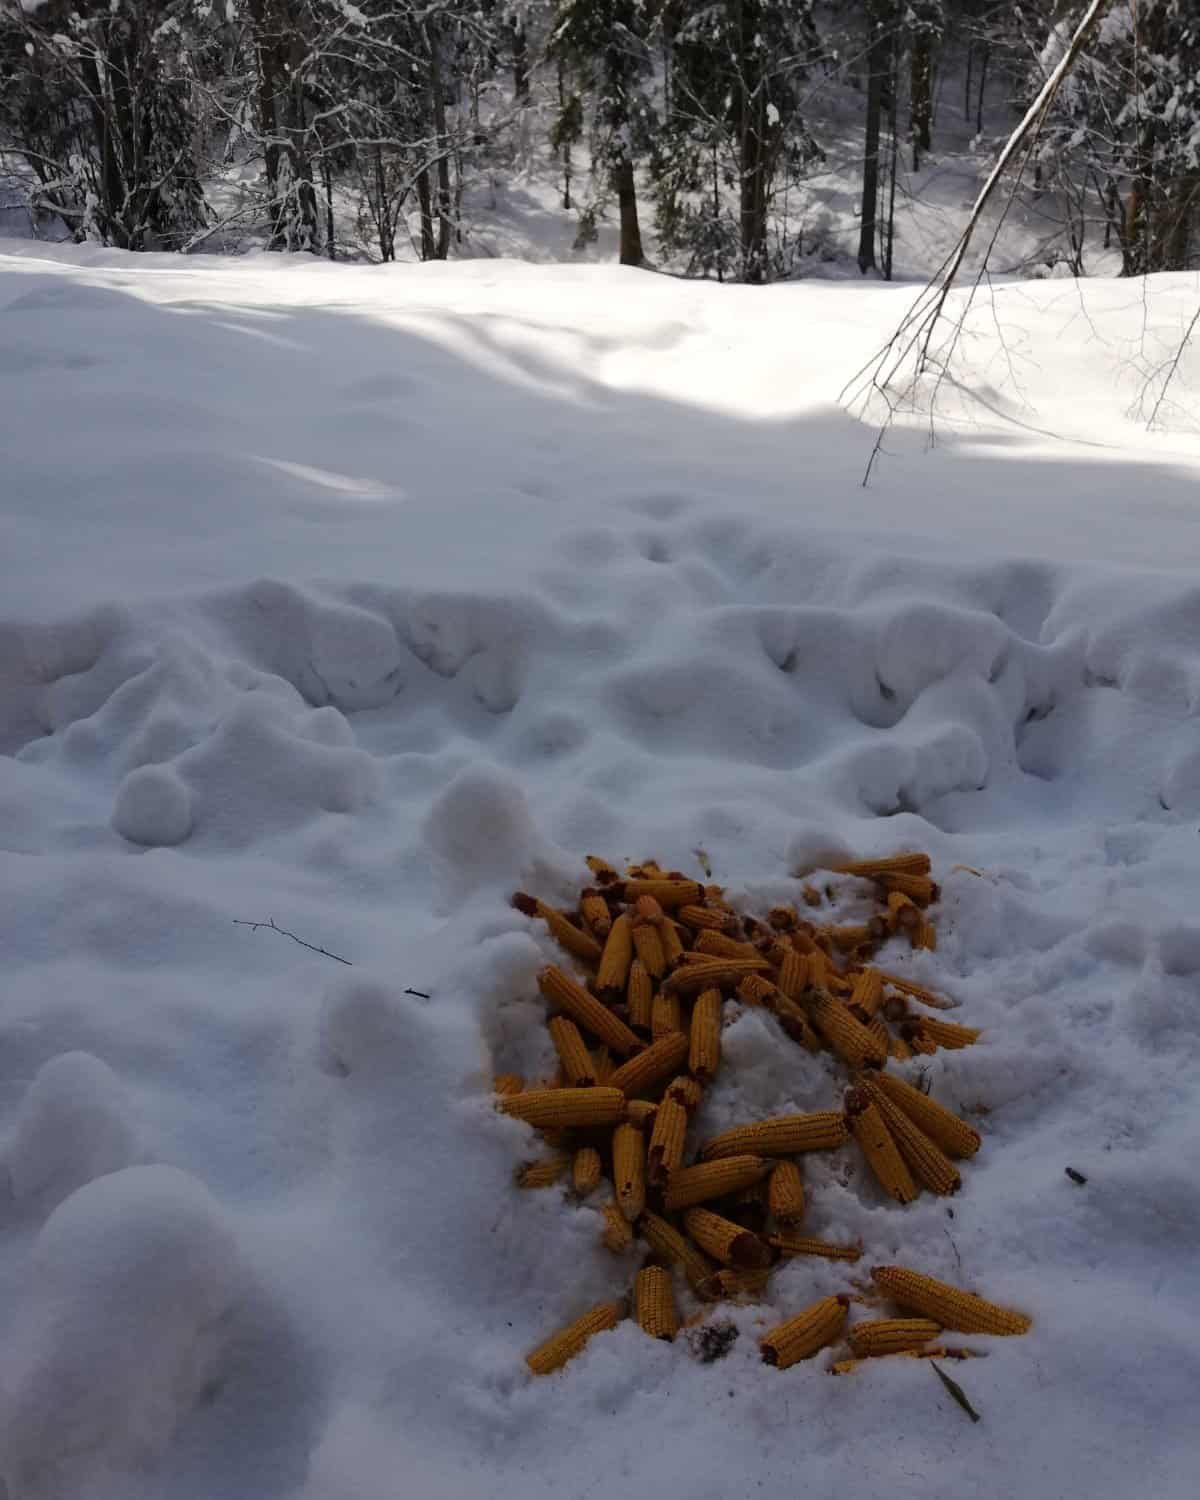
(283, 932)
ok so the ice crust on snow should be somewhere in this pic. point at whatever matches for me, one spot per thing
(364, 676)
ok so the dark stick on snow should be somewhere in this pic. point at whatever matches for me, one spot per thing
(270, 924)
(1075, 1176)
(420, 994)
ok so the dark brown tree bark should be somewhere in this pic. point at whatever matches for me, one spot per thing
(921, 94)
(631, 232)
(878, 64)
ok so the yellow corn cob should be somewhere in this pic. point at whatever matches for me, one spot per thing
(665, 1152)
(649, 869)
(945, 1033)
(602, 1064)
(666, 1016)
(757, 989)
(847, 939)
(666, 1241)
(613, 968)
(549, 1109)
(877, 1026)
(604, 872)
(573, 1055)
(579, 944)
(891, 1336)
(785, 1193)
(648, 946)
(903, 914)
(617, 1234)
(783, 918)
(918, 992)
(928, 1163)
(918, 888)
(642, 1113)
(654, 1301)
(899, 1049)
(924, 936)
(867, 993)
(811, 896)
(801, 1244)
(849, 1038)
(594, 910)
(666, 1055)
(507, 1083)
(706, 918)
(585, 1170)
(961, 1311)
(725, 1241)
(629, 1170)
(670, 894)
(686, 1091)
(719, 945)
(942, 1126)
(647, 909)
(540, 1174)
(640, 996)
(882, 1153)
(567, 1342)
(704, 1042)
(783, 1135)
(560, 990)
(806, 1334)
(690, 979)
(672, 943)
(713, 1179)
(795, 1022)
(892, 864)
(920, 1044)
(793, 974)
(745, 1286)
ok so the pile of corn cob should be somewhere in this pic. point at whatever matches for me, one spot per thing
(662, 954)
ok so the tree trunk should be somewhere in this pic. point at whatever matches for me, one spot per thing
(631, 233)
(983, 71)
(889, 228)
(752, 147)
(520, 60)
(921, 94)
(425, 199)
(438, 95)
(327, 179)
(879, 55)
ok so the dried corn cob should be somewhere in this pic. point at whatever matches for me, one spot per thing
(924, 936)
(666, 1055)
(882, 1153)
(689, 979)
(806, 1334)
(604, 872)
(666, 1016)
(672, 943)
(649, 869)
(640, 997)
(849, 939)
(783, 1135)
(795, 1022)
(849, 1038)
(928, 1163)
(670, 894)
(899, 1049)
(961, 1311)
(654, 1300)
(783, 918)
(919, 992)
(617, 1234)
(718, 945)
(757, 989)
(596, 914)
(579, 944)
(704, 1041)
(878, 1029)
(785, 1193)
(602, 1064)
(891, 1336)
(892, 864)
(573, 1055)
(613, 968)
(629, 1170)
(642, 1113)
(801, 1244)
(665, 1240)
(665, 1152)
(567, 1342)
(919, 1043)
(725, 1241)
(942, 1126)
(793, 974)
(713, 1179)
(585, 1170)
(867, 993)
(544, 1173)
(560, 990)
(810, 895)
(686, 1091)
(748, 1286)
(648, 946)
(944, 1033)
(918, 888)
(647, 909)
(507, 1083)
(707, 918)
(552, 1108)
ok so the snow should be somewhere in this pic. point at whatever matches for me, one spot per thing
(358, 598)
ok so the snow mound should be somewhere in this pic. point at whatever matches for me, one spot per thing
(116, 1334)
(154, 807)
(74, 1124)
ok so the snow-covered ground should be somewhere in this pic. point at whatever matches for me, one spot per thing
(357, 598)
